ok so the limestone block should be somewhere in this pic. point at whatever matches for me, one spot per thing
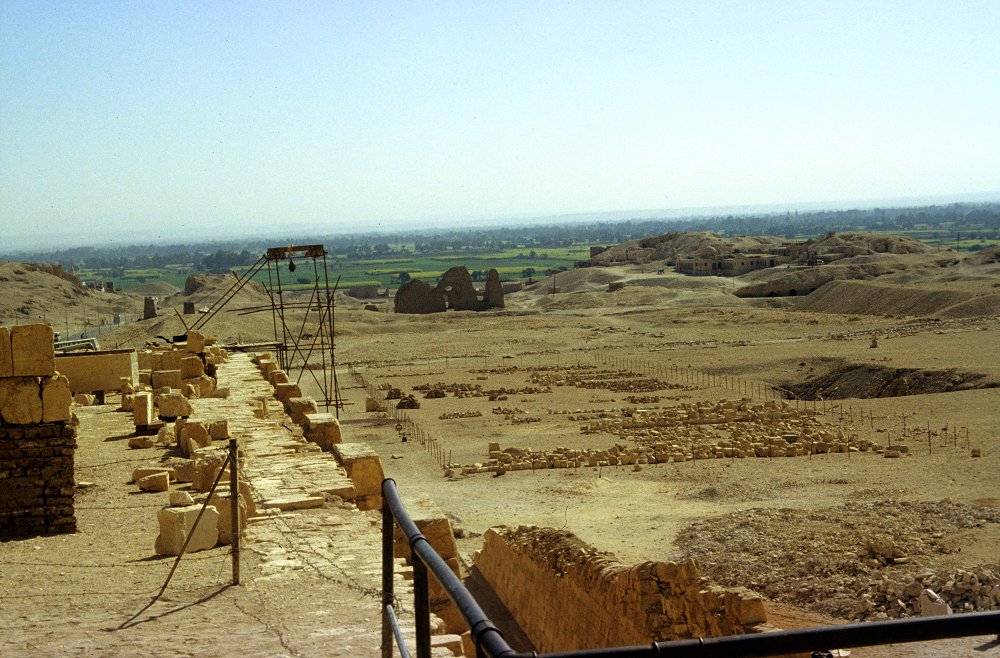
(89, 372)
(56, 399)
(204, 384)
(171, 378)
(139, 473)
(219, 429)
(278, 377)
(195, 341)
(33, 350)
(165, 436)
(930, 604)
(20, 400)
(323, 429)
(173, 405)
(222, 502)
(191, 367)
(190, 391)
(84, 399)
(207, 464)
(192, 435)
(145, 377)
(745, 606)
(365, 470)
(142, 409)
(140, 442)
(155, 482)
(452, 643)
(299, 407)
(287, 390)
(180, 499)
(177, 524)
(6, 358)
(185, 469)
(170, 360)
(267, 366)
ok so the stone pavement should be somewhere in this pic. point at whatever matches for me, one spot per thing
(307, 522)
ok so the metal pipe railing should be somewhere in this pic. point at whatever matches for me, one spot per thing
(490, 643)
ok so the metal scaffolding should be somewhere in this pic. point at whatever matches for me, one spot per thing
(310, 345)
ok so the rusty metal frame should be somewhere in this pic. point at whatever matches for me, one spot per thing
(298, 347)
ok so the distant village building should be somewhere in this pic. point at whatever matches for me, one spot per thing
(367, 292)
(733, 265)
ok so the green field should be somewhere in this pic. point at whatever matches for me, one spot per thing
(383, 271)
(510, 263)
(129, 279)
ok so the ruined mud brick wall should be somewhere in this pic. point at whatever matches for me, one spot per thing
(37, 440)
(36, 480)
(566, 595)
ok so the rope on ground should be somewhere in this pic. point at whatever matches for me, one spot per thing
(301, 550)
(120, 461)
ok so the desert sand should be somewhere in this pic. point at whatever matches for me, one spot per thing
(797, 529)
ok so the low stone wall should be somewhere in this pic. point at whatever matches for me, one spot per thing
(89, 372)
(567, 595)
(36, 480)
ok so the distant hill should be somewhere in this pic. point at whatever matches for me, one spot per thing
(42, 292)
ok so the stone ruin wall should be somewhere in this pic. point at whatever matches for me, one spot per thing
(454, 290)
(566, 595)
(722, 430)
(37, 436)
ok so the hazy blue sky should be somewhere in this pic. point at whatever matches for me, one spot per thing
(194, 116)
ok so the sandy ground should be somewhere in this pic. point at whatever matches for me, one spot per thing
(91, 593)
(78, 594)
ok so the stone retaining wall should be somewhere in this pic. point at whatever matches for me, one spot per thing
(567, 595)
(36, 480)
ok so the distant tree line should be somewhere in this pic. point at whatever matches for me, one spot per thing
(974, 221)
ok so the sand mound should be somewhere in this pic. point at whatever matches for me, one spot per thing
(870, 298)
(159, 289)
(990, 256)
(869, 242)
(982, 305)
(584, 279)
(791, 282)
(671, 246)
(40, 292)
(683, 282)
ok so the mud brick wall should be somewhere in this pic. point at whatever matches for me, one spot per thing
(567, 595)
(36, 480)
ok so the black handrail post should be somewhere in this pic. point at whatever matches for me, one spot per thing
(387, 578)
(421, 607)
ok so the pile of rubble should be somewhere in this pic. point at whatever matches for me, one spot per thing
(931, 593)
(725, 429)
(460, 414)
(730, 429)
(462, 390)
(831, 561)
(619, 381)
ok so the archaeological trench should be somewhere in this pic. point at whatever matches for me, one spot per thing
(186, 400)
